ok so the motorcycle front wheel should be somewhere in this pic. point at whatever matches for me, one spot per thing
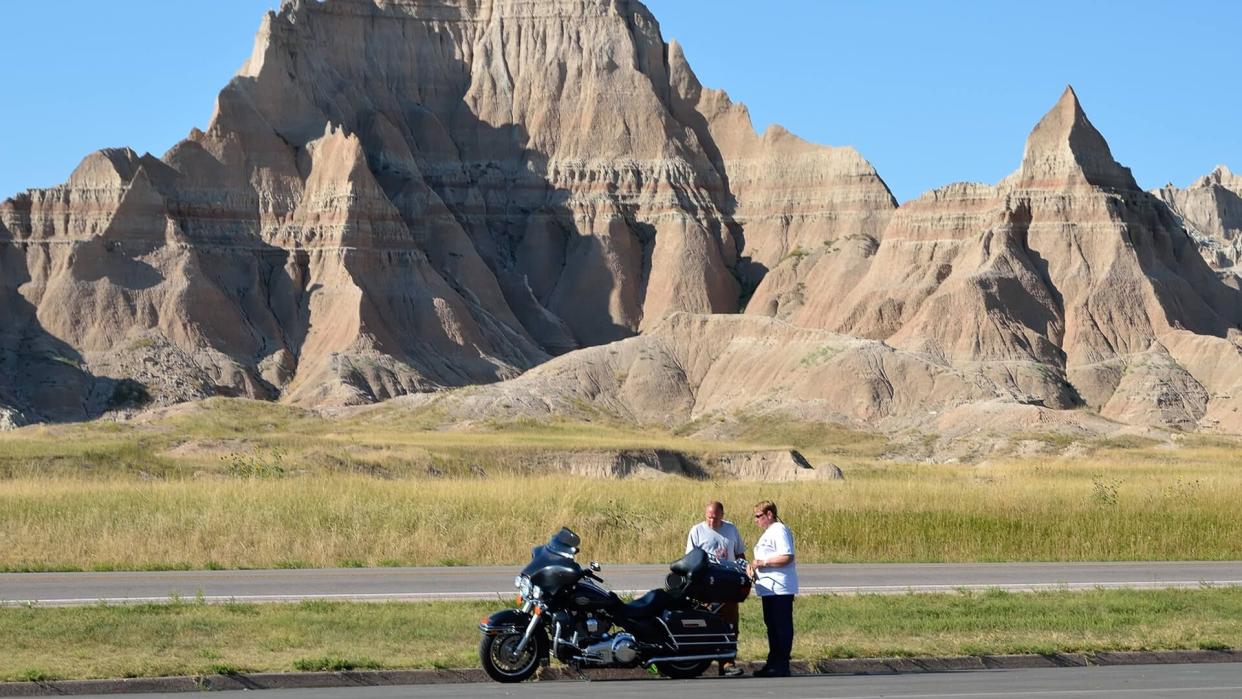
(686, 670)
(502, 664)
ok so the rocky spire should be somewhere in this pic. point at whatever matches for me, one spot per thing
(1064, 148)
(1222, 177)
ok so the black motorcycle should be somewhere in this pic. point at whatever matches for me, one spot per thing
(566, 612)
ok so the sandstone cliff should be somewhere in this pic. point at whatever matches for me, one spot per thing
(1211, 211)
(405, 195)
(402, 196)
(1064, 282)
(1063, 286)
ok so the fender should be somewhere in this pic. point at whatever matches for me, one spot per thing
(505, 620)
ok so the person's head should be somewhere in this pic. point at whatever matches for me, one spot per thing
(713, 514)
(765, 514)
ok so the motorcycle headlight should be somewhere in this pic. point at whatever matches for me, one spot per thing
(525, 588)
(535, 592)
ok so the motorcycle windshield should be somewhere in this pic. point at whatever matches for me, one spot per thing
(551, 569)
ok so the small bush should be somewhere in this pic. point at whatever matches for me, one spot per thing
(1104, 492)
(34, 675)
(254, 466)
(128, 393)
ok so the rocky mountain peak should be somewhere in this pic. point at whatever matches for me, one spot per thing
(107, 167)
(1065, 148)
(403, 196)
(1211, 212)
(397, 196)
(1222, 176)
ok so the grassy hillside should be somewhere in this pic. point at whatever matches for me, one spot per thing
(232, 437)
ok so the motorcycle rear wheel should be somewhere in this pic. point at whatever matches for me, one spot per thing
(500, 663)
(684, 670)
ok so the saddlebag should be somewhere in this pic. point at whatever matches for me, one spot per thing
(697, 632)
(713, 583)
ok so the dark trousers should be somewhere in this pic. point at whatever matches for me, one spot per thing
(778, 617)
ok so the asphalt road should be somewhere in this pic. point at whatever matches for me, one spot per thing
(493, 582)
(1144, 682)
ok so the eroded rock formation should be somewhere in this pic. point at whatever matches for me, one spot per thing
(404, 196)
(1065, 282)
(1211, 211)
(401, 196)
(1063, 286)
(692, 367)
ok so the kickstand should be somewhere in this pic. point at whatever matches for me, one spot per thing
(578, 670)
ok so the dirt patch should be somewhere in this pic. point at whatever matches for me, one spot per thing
(198, 448)
(772, 466)
(635, 463)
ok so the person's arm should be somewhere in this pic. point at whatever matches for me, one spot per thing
(779, 560)
(739, 545)
(784, 553)
(690, 540)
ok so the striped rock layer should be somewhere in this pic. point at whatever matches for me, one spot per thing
(1063, 298)
(1065, 283)
(401, 196)
(398, 196)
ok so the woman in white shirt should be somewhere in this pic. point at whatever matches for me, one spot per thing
(776, 582)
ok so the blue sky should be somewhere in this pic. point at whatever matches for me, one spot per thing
(930, 93)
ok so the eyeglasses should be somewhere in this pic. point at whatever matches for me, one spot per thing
(759, 514)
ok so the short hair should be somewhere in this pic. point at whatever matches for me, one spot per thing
(768, 506)
(717, 505)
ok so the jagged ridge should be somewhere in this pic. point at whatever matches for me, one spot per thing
(398, 197)
(1062, 286)
(395, 197)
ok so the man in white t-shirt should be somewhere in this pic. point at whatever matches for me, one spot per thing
(776, 582)
(722, 540)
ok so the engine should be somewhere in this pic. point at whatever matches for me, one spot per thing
(621, 649)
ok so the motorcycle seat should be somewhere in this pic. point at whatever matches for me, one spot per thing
(649, 605)
(690, 564)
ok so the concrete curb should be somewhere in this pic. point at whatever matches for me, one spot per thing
(970, 663)
(848, 666)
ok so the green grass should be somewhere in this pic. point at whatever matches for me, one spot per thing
(189, 638)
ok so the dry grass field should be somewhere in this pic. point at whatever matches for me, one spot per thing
(239, 484)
